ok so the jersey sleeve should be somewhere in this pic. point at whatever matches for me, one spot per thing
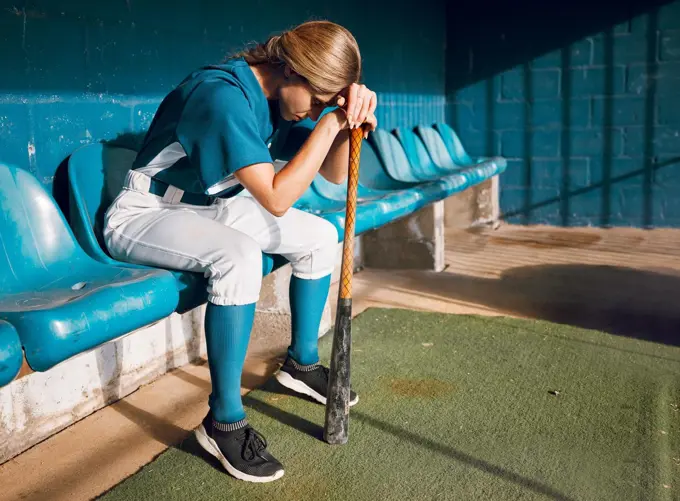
(218, 131)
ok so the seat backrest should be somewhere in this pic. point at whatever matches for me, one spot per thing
(96, 173)
(34, 237)
(393, 156)
(330, 190)
(453, 144)
(418, 156)
(436, 148)
(373, 173)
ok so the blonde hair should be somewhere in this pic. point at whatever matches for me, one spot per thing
(323, 53)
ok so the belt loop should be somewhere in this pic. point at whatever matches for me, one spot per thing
(172, 195)
(177, 198)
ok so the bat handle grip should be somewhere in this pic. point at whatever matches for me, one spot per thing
(356, 137)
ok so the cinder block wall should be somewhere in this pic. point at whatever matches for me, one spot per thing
(79, 72)
(581, 99)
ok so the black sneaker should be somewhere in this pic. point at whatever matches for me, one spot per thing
(241, 450)
(310, 380)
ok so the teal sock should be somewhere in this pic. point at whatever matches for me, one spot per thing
(307, 299)
(227, 332)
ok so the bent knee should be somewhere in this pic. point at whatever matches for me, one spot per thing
(328, 234)
(320, 261)
(235, 275)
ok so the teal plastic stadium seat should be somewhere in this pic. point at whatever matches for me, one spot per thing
(11, 356)
(386, 200)
(450, 152)
(435, 147)
(395, 163)
(96, 173)
(61, 301)
(368, 216)
(428, 148)
(373, 172)
(455, 148)
(329, 201)
(453, 144)
(420, 159)
(394, 157)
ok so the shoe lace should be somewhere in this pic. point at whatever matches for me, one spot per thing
(254, 444)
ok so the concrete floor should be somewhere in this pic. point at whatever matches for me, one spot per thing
(623, 281)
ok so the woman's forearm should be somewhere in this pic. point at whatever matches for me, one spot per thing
(335, 165)
(296, 176)
(278, 191)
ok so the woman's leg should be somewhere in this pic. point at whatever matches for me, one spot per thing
(310, 244)
(227, 333)
(188, 238)
(307, 301)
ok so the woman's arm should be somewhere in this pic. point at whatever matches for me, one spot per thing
(335, 165)
(361, 104)
(278, 191)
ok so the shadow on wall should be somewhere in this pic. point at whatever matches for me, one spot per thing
(566, 196)
(492, 37)
(581, 105)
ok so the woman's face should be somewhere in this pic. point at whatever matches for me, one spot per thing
(297, 101)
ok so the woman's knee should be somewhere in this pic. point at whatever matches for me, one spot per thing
(321, 259)
(328, 236)
(236, 274)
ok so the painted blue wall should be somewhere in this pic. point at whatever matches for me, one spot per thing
(583, 101)
(85, 71)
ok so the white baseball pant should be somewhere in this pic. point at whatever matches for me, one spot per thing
(224, 241)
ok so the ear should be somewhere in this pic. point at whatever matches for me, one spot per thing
(287, 71)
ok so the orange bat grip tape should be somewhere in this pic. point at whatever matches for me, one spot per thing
(356, 137)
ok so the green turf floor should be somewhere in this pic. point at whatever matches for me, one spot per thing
(462, 408)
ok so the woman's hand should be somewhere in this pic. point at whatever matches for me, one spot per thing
(339, 117)
(359, 104)
(370, 124)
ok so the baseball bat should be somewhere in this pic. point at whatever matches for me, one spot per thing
(336, 427)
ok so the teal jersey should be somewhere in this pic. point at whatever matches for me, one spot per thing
(215, 122)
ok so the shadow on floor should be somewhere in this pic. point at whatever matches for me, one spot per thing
(301, 424)
(622, 301)
(158, 428)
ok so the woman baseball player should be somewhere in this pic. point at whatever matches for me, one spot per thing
(215, 134)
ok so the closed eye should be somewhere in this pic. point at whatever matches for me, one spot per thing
(319, 102)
